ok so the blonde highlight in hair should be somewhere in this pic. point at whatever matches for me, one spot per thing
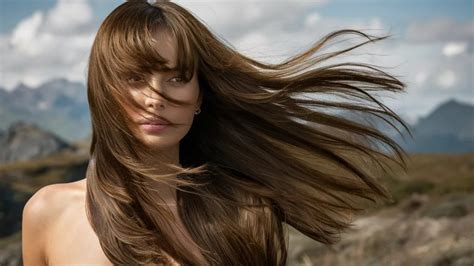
(254, 160)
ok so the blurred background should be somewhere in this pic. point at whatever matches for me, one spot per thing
(45, 123)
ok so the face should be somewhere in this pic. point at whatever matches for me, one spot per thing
(180, 116)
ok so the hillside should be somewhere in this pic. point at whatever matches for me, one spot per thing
(428, 223)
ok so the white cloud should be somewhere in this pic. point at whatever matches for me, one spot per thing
(232, 19)
(376, 23)
(49, 44)
(58, 46)
(24, 33)
(67, 15)
(56, 43)
(454, 48)
(447, 79)
(420, 78)
(312, 19)
(441, 29)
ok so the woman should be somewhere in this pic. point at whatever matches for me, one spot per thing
(201, 156)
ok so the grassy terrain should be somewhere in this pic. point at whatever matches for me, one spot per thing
(428, 223)
(433, 174)
(29, 176)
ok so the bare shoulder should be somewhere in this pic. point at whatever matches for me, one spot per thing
(50, 199)
(39, 215)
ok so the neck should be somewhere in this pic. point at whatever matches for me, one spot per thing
(158, 160)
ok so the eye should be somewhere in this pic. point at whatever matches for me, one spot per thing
(134, 79)
(177, 79)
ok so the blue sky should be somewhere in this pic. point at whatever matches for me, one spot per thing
(399, 12)
(431, 48)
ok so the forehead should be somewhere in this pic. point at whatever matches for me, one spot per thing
(166, 46)
(148, 48)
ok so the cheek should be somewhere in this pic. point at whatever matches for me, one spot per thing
(190, 91)
(185, 114)
(190, 95)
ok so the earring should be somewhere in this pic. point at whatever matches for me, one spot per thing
(198, 110)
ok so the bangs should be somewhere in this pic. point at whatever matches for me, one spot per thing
(131, 45)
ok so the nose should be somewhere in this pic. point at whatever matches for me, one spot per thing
(152, 99)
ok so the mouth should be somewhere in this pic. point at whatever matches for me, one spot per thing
(154, 128)
(155, 121)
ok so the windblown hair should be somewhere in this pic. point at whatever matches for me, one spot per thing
(256, 159)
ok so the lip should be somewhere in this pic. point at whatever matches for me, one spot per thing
(154, 128)
(158, 120)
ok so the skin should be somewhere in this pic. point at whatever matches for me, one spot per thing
(55, 229)
(164, 144)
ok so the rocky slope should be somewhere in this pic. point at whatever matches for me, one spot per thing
(420, 231)
(25, 141)
(429, 223)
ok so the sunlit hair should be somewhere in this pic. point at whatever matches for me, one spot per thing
(257, 158)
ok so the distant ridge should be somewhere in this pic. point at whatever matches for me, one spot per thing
(59, 106)
(448, 128)
(24, 141)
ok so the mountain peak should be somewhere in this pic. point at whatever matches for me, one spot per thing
(453, 105)
(451, 102)
(25, 141)
(21, 86)
(60, 83)
(19, 126)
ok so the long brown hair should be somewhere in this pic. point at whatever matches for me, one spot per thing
(257, 158)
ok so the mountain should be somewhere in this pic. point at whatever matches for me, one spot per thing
(25, 141)
(451, 118)
(377, 122)
(3, 96)
(59, 106)
(449, 128)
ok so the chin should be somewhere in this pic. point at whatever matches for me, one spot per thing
(159, 142)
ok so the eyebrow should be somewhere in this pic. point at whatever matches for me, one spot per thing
(162, 68)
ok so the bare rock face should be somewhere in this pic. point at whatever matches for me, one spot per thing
(435, 232)
(25, 141)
